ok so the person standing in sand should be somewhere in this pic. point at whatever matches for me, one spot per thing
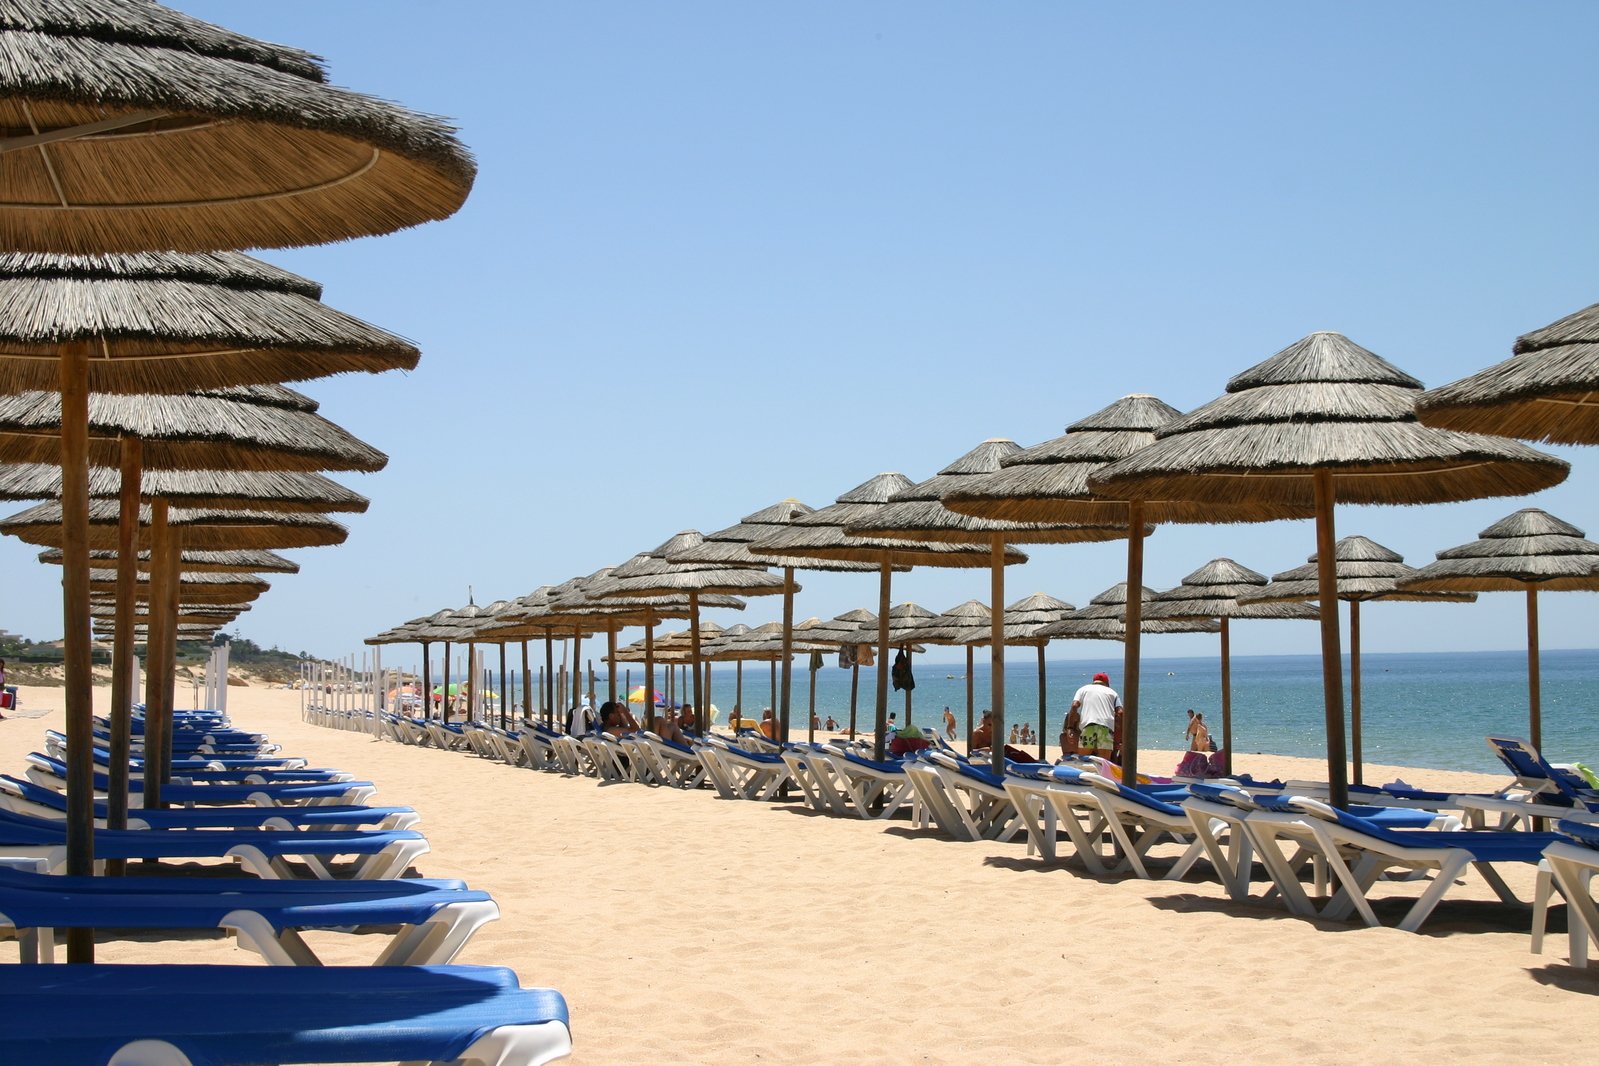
(949, 722)
(1098, 705)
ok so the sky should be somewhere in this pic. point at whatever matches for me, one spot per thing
(721, 254)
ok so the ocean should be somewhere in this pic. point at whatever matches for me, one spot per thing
(1418, 709)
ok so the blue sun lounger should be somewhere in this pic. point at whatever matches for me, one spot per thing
(25, 797)
(95, 1015)
(52, 773)
(1573, 862)
(433, 921)
(1376, 848)
(264, 853)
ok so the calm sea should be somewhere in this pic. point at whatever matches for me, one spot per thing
(1429, 710)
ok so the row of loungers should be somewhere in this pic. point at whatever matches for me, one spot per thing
(1316, 861)
(323, 858)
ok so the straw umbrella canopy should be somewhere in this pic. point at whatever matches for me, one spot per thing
(1548, 390)
(730, 547)
(655, 574)
(1105, 618)
(184, 432)
(278, 490)
(1049, 483)
(1213, 591)
(852, 628)
(918, 512)
(1529, 551)
(216, 562)
(823, 534)
(1363, 570)
(196, 614)
(171, 322)
(196, 587)
(203, 529)
(153, 129)
(1321, 421)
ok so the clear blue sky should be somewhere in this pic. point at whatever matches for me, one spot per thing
(723, 253)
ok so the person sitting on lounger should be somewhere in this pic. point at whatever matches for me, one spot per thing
(983, 735)
(616, 719)
(768, 724)
(686, 720)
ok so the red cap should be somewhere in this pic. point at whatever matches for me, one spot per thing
(1102, 677)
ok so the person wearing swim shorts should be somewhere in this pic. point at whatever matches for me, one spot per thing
(1098, 705)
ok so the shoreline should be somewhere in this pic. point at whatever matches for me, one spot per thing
(685, 928)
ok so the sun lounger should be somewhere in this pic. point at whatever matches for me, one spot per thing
(741, 774)
(1572, 862)
(1549, 791)
(876, 789)
(1340, 835)
(575, 758)
(52, 773)
(25, 797)
(219, 772)
(977, 796)
(264, 853)
(603, 753)
(538, 743)
(93, 1015)
(809, 768)
(431, 920)
(670, 763)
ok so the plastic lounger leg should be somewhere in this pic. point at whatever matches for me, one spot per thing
(515, 1045)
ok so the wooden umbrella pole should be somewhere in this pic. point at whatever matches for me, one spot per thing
(810, 724)
(1534, 682)
(527, 689)
(909, 691)
(854, 692)
(122, 642)
(1226, 699)
(444, 687)
(575, 696)
(549, 678)
(610, 660)
(703, 715)
(156, 644)
(1332, 666)
(788, 655)
(649, 672)
(427, 684)
(970, 696)
(884, 581)
(1043, 707)
(504, 701)
(169, 634)
(75, 613)
(1134, 632)
(774, 683)
(996, 651)
(1357, 776)
(738, 691)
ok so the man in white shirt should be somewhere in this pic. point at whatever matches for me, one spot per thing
(1098, 705)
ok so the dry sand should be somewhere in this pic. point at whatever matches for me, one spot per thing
(685, 928)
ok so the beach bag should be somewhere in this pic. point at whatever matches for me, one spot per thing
(1193, 764)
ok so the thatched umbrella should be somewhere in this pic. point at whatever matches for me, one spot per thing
(219, 140)
(1322, 420)
(1529, 551)
(1212, 591)
(655, 574)
(279, 490)
(1548, 390)
(918, 512)
(1364, 570)
(194, 587)
(1022, 622)
(204, 529)
(822, 535)
(199, 614)
(216, 562)
(730, 547)
(853, 629)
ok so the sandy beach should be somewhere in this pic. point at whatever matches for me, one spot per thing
(685, 928)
